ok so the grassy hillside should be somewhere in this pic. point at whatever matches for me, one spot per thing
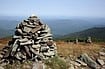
(97, 34)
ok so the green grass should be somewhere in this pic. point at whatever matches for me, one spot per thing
(52, 63)
(56, 63)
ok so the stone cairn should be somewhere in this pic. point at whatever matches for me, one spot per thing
(32, 41)
(89, 40)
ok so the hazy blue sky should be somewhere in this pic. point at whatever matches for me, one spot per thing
(93, 8)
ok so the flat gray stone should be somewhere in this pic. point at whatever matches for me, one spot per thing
(47, 35)
(38, 65)
(26, 66)
(46, 29)
(37, 28)
(44, 49)
(101, 62)
(71, 67)
(26, 43)
(1, 55)
(36, 46)
(18, 56)
(75, 63)
(51, 49)
(102, 53)
(89, 40)
(82, 63)
(1, 67)
(50, 53)
(27, 29)
(30, 26)
(16, 37)
(86, 59)
(23, 40)
(102, 57)
(33, 50)
(19, 31)
(27, 51)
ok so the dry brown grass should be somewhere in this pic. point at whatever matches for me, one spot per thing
(67, 49)
(3, 42)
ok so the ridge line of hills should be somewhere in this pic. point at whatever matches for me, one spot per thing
(97, 34)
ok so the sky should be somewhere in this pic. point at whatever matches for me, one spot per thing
(88, 8)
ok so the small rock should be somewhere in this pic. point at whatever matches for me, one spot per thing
(102, 57)
(1, 67)
(49, 53)
(36, 46)
(102, 53)
(27, 67)
(86, 59)
(27, 29)
(1, 55)
(71, 66)
(3, 64)
(23, 40)
(101, 62)
(38, 65)
(89, 40)
(82, 63)
(26, 43)
(75, 63)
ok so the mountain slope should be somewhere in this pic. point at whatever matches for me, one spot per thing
(96, 33)
(5, 33)
(69, 25)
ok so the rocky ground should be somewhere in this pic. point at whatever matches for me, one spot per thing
(70, 56)
(83, 55)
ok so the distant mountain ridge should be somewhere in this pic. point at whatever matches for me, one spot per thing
(59, 26)
(5, 33)
(95, 32)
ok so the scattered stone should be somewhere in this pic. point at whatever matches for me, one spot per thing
(71, 66)
(102, 57)
(75, 63)
(38, 65)
(76, 41)
(101, 62)
(27, 66)
(101, 53)
(86, 59)
(82, 63)
(89, 40)
(1, 67)
(1, 55)
(3, 64)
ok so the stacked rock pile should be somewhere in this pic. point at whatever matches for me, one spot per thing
(32, 41)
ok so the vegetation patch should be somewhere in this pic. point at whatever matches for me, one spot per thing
(56, 63)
